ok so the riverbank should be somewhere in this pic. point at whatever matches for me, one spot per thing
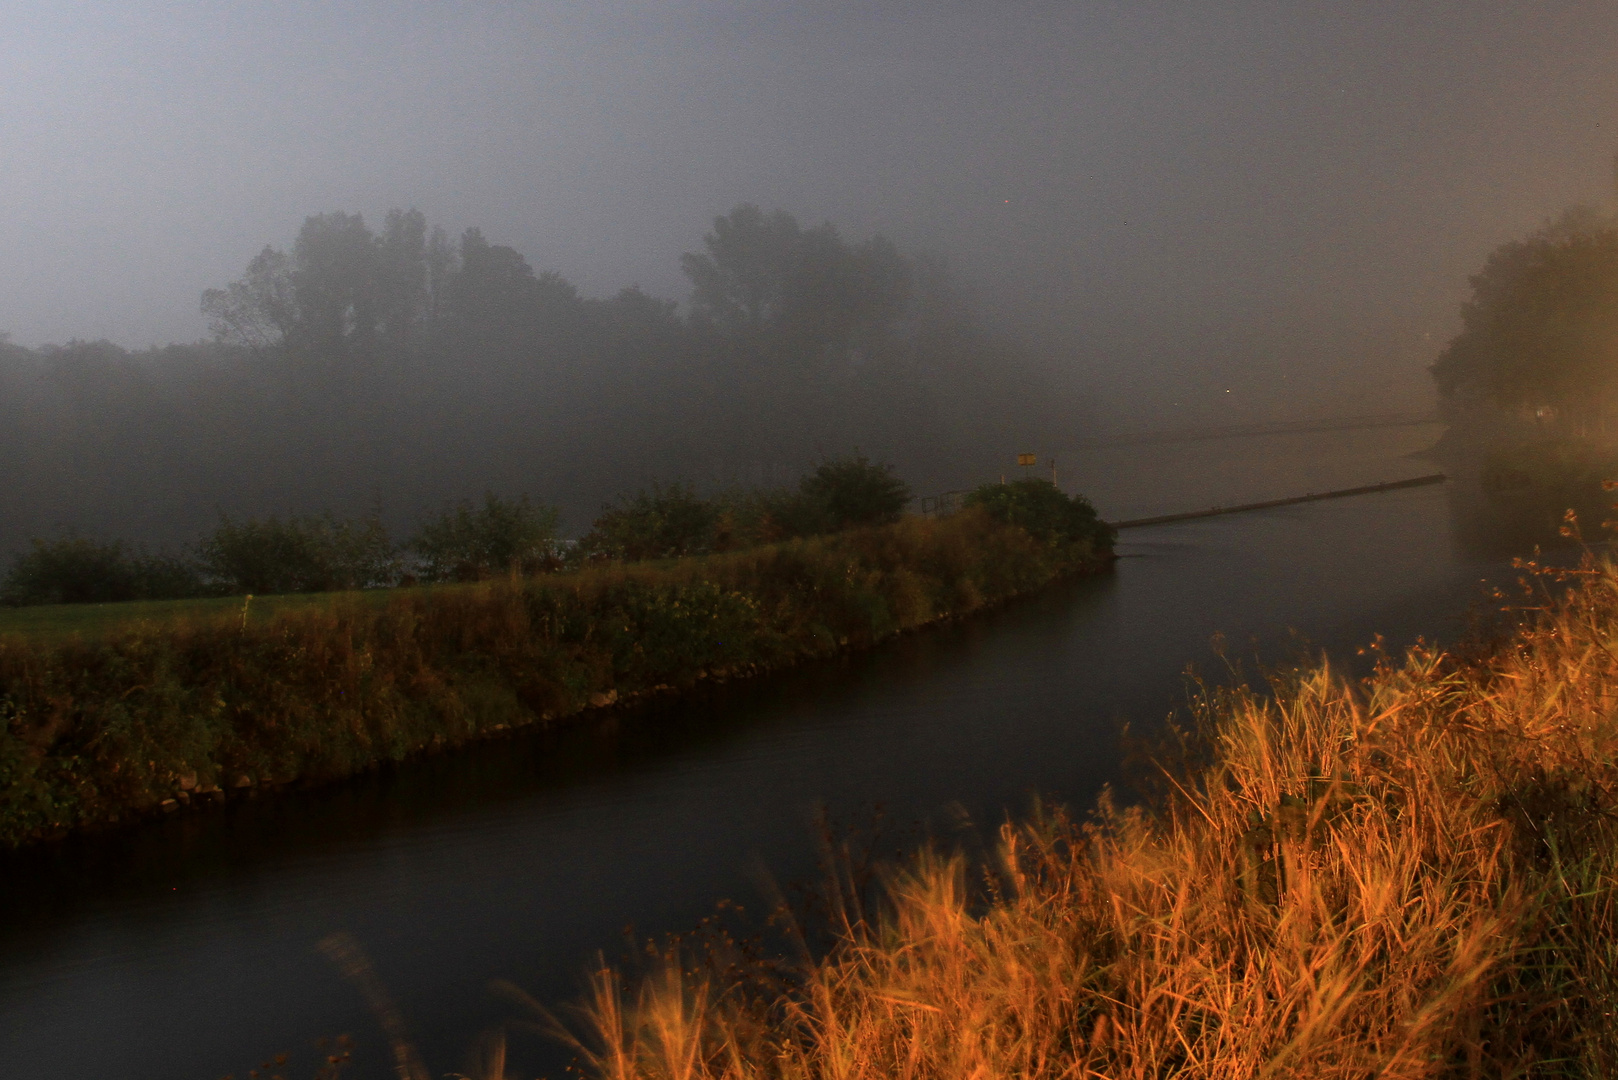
(1413, 876)
(157, 715)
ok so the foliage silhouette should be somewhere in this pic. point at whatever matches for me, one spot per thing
(471, 543)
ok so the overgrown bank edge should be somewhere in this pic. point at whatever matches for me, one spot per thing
(1409, 877)
(156, 715)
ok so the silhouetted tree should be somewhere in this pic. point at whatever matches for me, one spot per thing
(259, 310)
(469, 543)
(806, 288)
(314, 553)
(495, 304)
(344, 293)
(1540, 333)
(664, 523)
(856, 491)
(1044, 511)
(78, 570)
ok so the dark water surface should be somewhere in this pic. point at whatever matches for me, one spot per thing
(187, 949)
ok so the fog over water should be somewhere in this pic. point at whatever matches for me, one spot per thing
(375, 257)
(1282, 201)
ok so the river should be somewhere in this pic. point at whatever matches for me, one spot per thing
(187, 948)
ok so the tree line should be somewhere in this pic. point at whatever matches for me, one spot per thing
(400, 367)
(475, 541)
(463, 542)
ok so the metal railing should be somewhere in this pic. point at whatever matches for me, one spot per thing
(941, 505)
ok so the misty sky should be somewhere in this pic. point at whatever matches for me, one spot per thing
(1275, 199)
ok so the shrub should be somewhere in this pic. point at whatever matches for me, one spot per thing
(469, 543)
(847, 492)
(76, 570)
(301, 554)
(674, 521)
(1039, 507)
(167, 577)
(748, 518)
(666, 523)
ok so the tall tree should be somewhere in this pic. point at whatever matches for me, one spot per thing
(805, 290)
(741, 282)
(336, 279)
(343, 293)
(1540, 332)
(495, 304)
(259, 310)
(402, 278)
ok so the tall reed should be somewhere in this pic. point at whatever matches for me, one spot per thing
(1410, 876)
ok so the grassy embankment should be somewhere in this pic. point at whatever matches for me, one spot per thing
(121, 716)
(1413, 877)
(56, 622)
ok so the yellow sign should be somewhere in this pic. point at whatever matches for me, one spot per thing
(1027, 459)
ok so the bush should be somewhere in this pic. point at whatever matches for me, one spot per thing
(667, 523)
(167, 577)
(780, 514)
(1039, 507)
(75, 570)
(674, 521)
(848, 492)
(301, 554)
(467, 543)
(746, 519)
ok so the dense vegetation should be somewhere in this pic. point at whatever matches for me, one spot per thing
(390, 365)
(1539, 331)
(1528, 384)
(1041, 508)
(77, 570)
(93, 728)
(464, 542)
(1409, 877)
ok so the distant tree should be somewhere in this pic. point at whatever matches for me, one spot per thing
(1042, 509)
(664, 523)
(336, 280)
(855, 491)
(440, 263)
(806, 287)
(315, 553)
(1540, 332)
(77, 570)
(403, 273)
(742, 280)
(343, 291)
(71, 570)
(260, 310)
(494, 301)
(469, 543)
(637, 316)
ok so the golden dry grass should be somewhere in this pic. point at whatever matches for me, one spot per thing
(1411, 876)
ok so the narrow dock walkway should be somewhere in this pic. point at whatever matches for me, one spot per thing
(1216, 511)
